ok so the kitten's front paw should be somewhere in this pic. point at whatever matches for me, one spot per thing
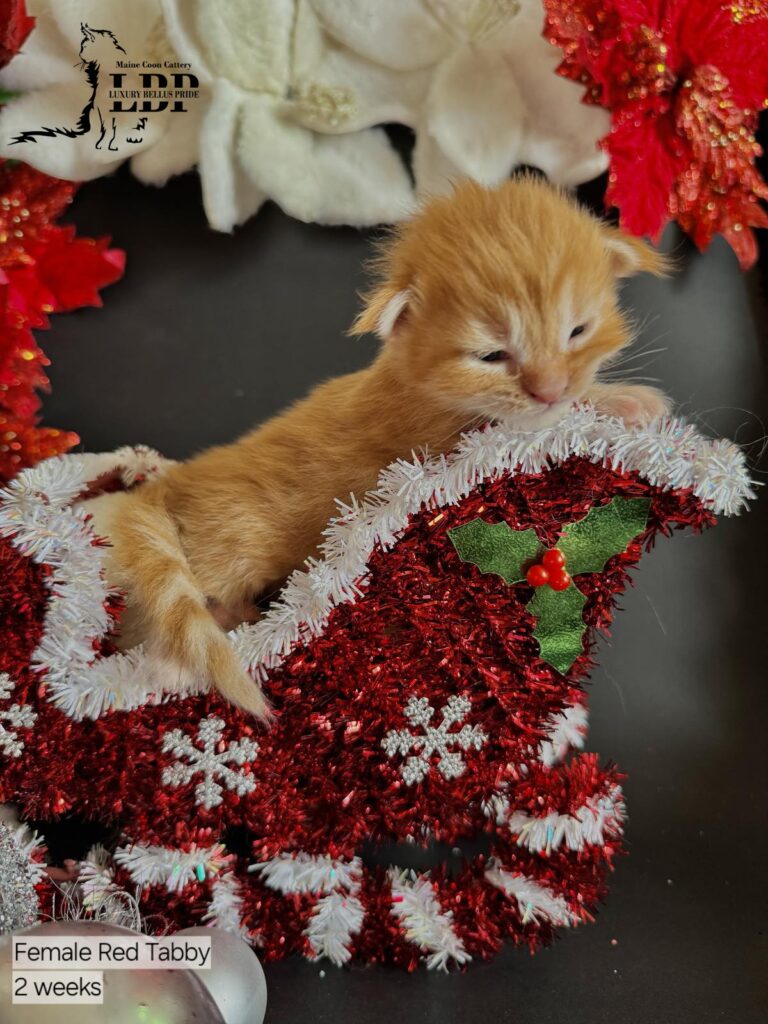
(636, 404)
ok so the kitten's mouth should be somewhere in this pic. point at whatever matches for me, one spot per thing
(535, 417)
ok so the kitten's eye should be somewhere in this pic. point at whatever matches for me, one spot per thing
(578, 330)
(495, 357)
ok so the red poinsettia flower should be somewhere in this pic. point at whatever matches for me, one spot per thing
(44, 269)
(684, 80)
(15, 26)
(73, 269)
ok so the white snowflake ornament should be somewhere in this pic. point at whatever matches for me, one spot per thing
(17, 716)
(437, 740)
(203, 758)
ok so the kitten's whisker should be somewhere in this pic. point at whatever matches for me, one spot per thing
(471, 424)
(630, 357)
(638, 328)
(629, 368)
(762, 440)
(642, 340)
(639, 352)
(624, 379)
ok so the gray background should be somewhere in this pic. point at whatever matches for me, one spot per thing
(207, 334)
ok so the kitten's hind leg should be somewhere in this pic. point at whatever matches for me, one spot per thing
(230, 616)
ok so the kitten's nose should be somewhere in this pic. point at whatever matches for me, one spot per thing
(545, 388)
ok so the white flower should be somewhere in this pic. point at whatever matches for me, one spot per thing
(245, 51)
(291, 92)
(475, 79)
(242, 52)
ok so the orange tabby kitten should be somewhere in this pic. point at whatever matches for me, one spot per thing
(492, 304)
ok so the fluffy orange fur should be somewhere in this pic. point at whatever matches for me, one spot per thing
(491, 304)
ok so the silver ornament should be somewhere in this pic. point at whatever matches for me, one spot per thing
(18, 898)
(235, 979)
(173, 997)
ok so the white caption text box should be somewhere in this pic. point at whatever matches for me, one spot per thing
(111, 952)
(56, 988)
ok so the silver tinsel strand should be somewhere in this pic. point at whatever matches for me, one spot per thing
(18, 898)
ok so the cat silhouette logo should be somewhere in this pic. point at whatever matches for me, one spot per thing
(120, 94)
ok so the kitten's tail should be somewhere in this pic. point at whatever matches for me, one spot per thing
(173, 608)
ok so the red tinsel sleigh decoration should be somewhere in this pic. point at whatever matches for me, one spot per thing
(415, 695)
(684, 81)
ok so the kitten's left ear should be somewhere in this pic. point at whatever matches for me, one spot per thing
(630, 255)
(385, 313)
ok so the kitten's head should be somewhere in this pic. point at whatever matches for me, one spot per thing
(502, 303)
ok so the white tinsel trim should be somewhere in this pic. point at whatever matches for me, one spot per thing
(96, 896)
(333, 923)
(96, 878)
(130, 462)
(36, 512)
(31, 846)
(567, 731)
(534, 901)
(599, 817)
(668, 453)
(338, 915)
(424, 922)
(226, 907)
(309, 873)
(119, 683)
(159, 865)
(496, 807)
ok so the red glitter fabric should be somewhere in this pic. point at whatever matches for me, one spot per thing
(44, 269)
(684, 82)
(320, 784)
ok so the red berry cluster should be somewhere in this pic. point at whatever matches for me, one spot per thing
(550, 570)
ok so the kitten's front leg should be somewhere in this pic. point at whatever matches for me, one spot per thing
(636, 404)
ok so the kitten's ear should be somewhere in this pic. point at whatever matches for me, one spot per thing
(630, 255)
(385, 313)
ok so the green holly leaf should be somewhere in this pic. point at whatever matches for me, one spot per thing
(496, 547)
(560, 627)
(602, 533)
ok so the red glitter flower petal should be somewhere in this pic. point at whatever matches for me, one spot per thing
(684, 82)
(44, 268)
(641, 146)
